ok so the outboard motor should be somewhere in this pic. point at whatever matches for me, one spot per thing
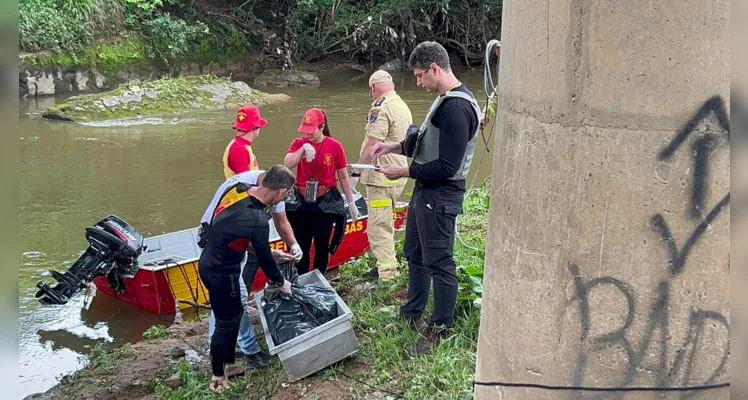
(114, 247)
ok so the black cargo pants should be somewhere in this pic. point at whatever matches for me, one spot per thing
(429, 244)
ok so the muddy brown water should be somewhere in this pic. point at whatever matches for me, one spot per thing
(158, 175)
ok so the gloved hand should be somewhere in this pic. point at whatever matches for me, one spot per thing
(281, 257)
(309, 152)
(353, 210)
(296, 252)
(286, 288)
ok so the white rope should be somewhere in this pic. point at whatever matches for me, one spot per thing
(487, 78)
(494, 89)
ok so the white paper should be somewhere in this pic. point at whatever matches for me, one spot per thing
(364, 166)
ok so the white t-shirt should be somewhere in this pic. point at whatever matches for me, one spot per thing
(249, 178)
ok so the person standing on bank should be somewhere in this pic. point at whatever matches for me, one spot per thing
(238, 218)
(239, 158)
(320, 163)
(442, 151)
(388, 120)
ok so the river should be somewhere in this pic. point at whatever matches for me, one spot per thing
(159, 177)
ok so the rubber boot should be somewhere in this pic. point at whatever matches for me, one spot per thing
(372, 273)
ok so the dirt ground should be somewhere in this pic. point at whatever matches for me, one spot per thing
(339, 388)
(129, 375)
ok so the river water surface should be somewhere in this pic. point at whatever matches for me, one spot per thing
(159, 176)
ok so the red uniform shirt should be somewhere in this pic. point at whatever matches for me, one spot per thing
(239, 157)
(328, 158)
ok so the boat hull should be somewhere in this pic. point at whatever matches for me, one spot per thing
(157, 290)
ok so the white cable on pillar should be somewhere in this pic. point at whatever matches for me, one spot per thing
(487, 78)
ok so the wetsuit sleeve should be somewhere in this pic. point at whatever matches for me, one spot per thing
(265, 260)
(453, 140)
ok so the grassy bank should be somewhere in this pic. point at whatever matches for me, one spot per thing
(382, 369)
(106, 58)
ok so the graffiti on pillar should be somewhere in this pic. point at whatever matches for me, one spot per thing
(701, 148)
(679, 255)
(671, 368)
(668, 369)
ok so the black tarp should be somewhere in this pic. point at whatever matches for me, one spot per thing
(307, 307)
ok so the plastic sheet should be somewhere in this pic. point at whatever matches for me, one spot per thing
(289, 273)
(307, 307)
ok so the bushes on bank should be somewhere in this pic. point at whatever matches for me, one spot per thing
(366, 30)
(46, 25)
(72, 26)
(386, 29)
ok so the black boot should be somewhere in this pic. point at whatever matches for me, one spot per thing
(431, 337)
(258, 360)
(372, 273)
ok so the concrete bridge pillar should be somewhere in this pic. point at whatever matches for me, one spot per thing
(607, 261)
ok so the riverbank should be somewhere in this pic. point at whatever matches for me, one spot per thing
(89, 45)
(172, 364)
(105, 66)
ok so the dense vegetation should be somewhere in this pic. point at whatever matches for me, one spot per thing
(283, 31)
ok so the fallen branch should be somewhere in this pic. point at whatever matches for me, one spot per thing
(194, 304)
(476, 58)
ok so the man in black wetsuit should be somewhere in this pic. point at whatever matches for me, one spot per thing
(442, 149)
(240, 218)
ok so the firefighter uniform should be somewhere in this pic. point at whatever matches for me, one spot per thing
(388, 120)
(238, 156)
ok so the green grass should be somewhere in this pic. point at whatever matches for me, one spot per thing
(156, 332)
(107, 58)
(446, 373)
(195, 385)
(105, 360)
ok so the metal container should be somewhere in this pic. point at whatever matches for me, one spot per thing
(312, 184)
(318, 348)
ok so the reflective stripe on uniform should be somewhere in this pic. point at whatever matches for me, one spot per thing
(380, 203)
(385, 266)
(400, 181)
